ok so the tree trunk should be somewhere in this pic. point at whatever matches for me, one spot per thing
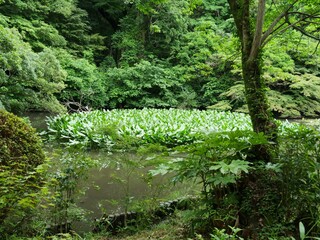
(250, 37)
(260, 114)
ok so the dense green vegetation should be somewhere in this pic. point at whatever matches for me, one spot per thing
(104, 59)
(120, 54)
(170, 128)
(216, 150)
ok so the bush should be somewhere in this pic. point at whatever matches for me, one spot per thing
(20, 157)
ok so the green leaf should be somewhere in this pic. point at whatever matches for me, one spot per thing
(302, 231)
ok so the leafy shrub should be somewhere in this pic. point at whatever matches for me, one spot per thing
(1, 106)
(84, 85)
(21, 156)
(287, 190)
(68, 172)
(218, 162)
(300, 175)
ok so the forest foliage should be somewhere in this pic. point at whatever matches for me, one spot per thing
(105, 54)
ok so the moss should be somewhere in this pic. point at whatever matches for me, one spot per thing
(20, 154)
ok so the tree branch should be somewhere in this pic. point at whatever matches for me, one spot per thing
(256, 43)
(270, 36)
(275, 22)
(280, 32)
(300, 29)
(313, 15)
(304, 32)
(316, 48)
(290, 25)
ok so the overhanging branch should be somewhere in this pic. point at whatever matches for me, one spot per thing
(316, 48)
(280, 31)
(314, 15)
(304, 32)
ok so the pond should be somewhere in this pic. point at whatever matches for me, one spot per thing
(120, 182)
(37, 119)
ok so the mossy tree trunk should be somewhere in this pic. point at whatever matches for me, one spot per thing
(259, 111)
(250, 36)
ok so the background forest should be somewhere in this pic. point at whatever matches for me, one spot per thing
(105, 54)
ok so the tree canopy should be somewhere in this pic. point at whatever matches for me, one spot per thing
(95, 48)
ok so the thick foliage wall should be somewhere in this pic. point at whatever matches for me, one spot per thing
(20, 155)
(145, 85)
(86, 53)
(33, 71)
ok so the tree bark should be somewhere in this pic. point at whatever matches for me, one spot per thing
(250, 37)
(256, 98)
(259, 111)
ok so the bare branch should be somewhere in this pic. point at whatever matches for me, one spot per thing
(304, 32)
(316, 48)
(311, 22)
(280, 32)
(313, 15)
(270, 36)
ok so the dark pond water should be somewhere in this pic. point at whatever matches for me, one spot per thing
(121, 186)
(37, 119)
